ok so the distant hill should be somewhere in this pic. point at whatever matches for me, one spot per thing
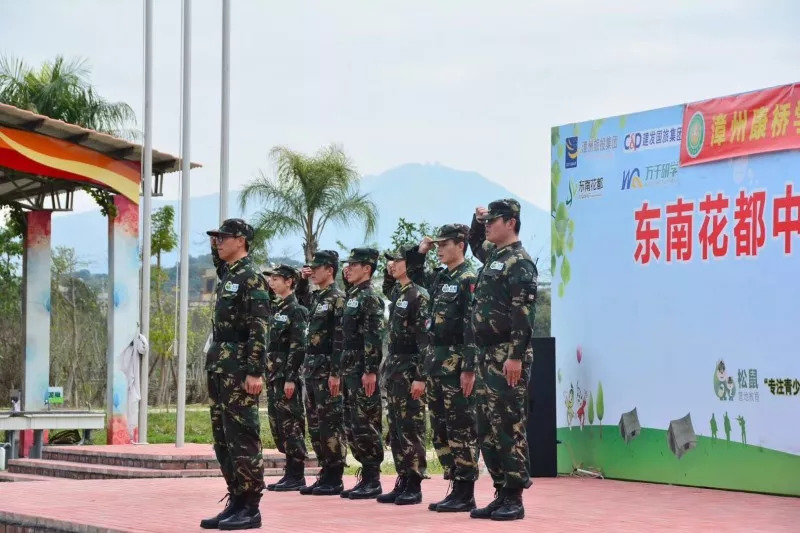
(433, 193)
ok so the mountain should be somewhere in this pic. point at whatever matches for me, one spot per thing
(416, 192)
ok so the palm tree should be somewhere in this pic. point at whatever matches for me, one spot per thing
(61, 89)
(306, 194)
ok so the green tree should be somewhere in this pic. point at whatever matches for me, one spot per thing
(591, 409)
(162, 322)
(61, 89)
(306, 194)
(600, 406)
(541, 321)
(10, 308)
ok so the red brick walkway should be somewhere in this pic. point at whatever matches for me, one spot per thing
(552, 505)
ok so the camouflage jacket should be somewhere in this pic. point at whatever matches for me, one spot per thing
(287, 340)
(505, 294)
(362, 327)
(240, 321)
(408, 332)
(452, 346)
(324, 352)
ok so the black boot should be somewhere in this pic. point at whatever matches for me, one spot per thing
(247, 517)
(231, 507)
(305, 491)
(399, 487)
(462, 500)
(412, 493)
(371, 486)
(330, 484)
(448, 474)
(512, 508)
(272, 486)
(359, 483)
(497, 503)
(295, 477)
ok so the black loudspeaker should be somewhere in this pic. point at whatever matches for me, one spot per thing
(542, 408)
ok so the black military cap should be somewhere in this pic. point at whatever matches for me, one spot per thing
(286, 271)
(507, 207)
(325, 258)
(234, 227)
(269, 270)
(452, 231)
(398, 254)
(363, 255)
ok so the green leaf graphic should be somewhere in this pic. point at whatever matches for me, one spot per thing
(565, 271)
(555, 136)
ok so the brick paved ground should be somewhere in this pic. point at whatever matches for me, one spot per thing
(553, 505)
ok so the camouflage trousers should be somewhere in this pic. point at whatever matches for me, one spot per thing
(287, 421)
(363, 421)
(502, 420)
(325, 423)
(237, 433)
(406, 428)
(453, 427)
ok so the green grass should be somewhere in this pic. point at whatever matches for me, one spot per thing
(162, 430)
(712, 463)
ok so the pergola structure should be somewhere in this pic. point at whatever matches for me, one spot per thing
(42, 162)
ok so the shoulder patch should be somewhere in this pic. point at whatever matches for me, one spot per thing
(496, 265)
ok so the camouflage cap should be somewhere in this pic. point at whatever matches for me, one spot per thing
(234, 227)
(325, 258)
(399, 254)
(286, 271)
(362, 255)
(452, 231)
(507, 207)
(269, 270)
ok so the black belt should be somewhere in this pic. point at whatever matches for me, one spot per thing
(403, 348)
(491, 339)
(231, 336)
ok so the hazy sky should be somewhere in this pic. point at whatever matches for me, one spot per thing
(475, 85)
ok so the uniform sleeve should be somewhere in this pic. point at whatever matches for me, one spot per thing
(373, 331)
(477, 236)
(389, 283)
(258, 327)
(522, 281)
(415, 264)
(219, 264)
(470, 348)
(338, 336)
(303, 293)
(297, 342)
(420, 330)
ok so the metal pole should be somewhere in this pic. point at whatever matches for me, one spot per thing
(184, 266)
(147, 176)
(226, 89)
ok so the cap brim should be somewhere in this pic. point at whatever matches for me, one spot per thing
(214, 233)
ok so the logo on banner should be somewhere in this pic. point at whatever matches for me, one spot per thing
(696, 135)
(743, 387)
(654, 175)
(584, 189)
(571, 157)
(631, 179)
(650, 139)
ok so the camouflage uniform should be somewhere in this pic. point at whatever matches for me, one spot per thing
(502, 321)
(287, 346)
(452, 350)
(408, 340)
(238, 349)
(362, 326)
(323, 355)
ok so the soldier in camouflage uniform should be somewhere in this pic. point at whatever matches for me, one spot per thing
(287, 347)
(405, 385)
(502, 321)
(235, 363)
(450, 362)
(362, 325)
(321, 371)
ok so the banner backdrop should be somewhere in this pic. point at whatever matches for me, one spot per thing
(676, 302)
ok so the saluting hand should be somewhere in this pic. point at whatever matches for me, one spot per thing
(417, 389)
(333, 385)
(306, 272)
(425, 245)
(481, 211)
(288, 389)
